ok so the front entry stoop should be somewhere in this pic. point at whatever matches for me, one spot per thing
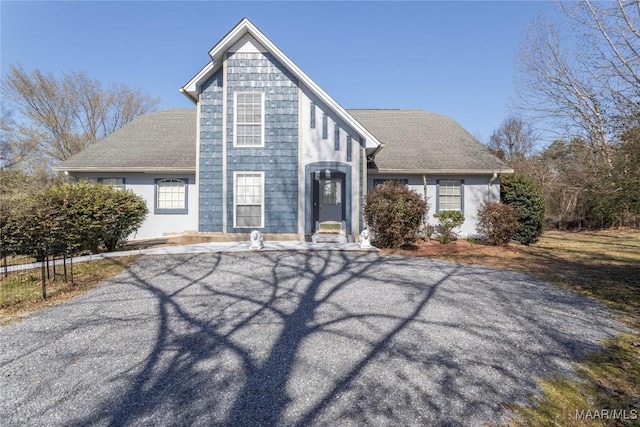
(328, 238)
(329, 232)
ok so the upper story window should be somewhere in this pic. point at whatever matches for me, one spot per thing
(248, 119)
(113, 182)
(312, 118)
(450, 195)
(325, 126)
(171, 196)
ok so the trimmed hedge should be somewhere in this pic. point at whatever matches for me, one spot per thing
(394, 213)
(86, 215)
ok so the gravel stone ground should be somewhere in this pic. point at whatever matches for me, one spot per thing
(294, 338)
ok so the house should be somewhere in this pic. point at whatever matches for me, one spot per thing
(266, 148)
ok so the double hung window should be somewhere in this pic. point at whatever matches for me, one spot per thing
(248, 199)
(249, 119)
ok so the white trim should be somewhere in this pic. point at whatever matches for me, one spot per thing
(197, 177)
(235, 119)
(225, 181)
(355, 183)
(105, 181)
(235, 191)
(439, 172)
(365, 183)
(245, 26)
(143, 170)
(192, 89)
(181, 191)
(453, 188)
(301, 177)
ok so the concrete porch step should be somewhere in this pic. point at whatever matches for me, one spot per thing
(328, 238)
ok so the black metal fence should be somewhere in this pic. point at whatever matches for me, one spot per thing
(27, 278)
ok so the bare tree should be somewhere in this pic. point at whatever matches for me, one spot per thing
(558, 86)
(582, 76)
(513, 141)
(64, 115)
(7, 126)
(611, 33)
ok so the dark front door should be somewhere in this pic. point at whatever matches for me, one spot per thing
(328, 197)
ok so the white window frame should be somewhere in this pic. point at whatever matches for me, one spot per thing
(110, 181)
(171, 210)
(235, 197)
(235, 120)
(445, 184)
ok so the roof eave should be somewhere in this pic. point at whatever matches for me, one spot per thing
(442, 171)
(119, 169)
(192, 88)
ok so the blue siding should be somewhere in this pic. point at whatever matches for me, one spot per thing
(210, 161)
(260, 72)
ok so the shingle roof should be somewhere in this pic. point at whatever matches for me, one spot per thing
(423, 142)
(163, 140)
(415, 142)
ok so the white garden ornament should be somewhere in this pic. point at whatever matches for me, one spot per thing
(256, 240)
(365, 239)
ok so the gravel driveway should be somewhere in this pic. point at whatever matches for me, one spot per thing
(294, 338)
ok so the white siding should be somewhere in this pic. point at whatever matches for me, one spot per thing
(156, 225)
(247, 44)
(476, 191)
(315, 149)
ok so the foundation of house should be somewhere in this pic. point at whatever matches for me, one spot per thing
(200, 237)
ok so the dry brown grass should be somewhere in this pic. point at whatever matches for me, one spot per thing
(604, 265)
(86, 276)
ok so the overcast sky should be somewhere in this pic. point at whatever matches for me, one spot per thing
(451, 58)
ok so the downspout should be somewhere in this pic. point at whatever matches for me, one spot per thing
(489, 192)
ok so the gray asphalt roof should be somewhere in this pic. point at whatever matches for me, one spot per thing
(159, 140)
(423, 141)
(415, 141)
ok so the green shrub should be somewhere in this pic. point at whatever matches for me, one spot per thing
(27, 223)
(86, 215)
(522, 194)
(497, 223)
(96, 214)
(447, 221)
(394, 213)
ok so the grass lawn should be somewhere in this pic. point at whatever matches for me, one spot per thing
(605, 265)
(21, 294)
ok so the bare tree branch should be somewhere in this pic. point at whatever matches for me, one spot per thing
(64, 115)
(513, 141)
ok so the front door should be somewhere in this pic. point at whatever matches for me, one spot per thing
(328, 197)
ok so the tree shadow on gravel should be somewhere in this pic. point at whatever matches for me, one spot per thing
(325, 338)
